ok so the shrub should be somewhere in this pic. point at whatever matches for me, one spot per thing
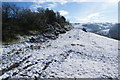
(20, 21)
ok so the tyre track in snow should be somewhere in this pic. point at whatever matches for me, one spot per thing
(13, 66)
(17, 64)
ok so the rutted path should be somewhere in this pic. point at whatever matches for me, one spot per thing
(21, 51)
(13, 66)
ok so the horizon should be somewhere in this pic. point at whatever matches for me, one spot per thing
(79, 12)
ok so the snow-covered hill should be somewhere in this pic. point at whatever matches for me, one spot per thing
(93, 27)
(75, 54)
(110, 30)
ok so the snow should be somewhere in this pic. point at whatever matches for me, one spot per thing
(75, 54)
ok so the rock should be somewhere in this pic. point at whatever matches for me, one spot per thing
(84, 29)
(73, 44)
(32, 40)
(17, 52)
(70, 51)
(62, 31)
(68, 27)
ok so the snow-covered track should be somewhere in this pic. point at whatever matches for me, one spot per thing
(76, 54)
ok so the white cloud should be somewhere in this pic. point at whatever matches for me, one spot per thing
(62, 12)
(111, 0)
(40, 2)
(35, 6)
(81, 0)
(63, 2)
(60, 0)
(96, 0)
(93, 17)
(53, 5)
(81, 20)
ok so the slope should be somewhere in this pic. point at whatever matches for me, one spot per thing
(74, 54)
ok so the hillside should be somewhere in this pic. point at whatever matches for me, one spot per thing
(73, 54)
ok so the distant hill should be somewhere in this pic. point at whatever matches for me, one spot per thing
(105, 29)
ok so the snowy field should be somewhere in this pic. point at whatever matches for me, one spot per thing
(75, 54)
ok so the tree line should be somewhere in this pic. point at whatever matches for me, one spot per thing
(23, 21)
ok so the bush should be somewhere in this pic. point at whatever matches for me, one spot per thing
(19, 21)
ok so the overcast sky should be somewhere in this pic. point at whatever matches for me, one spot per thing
(79, 12)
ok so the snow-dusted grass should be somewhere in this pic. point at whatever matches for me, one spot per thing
(74, 54)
